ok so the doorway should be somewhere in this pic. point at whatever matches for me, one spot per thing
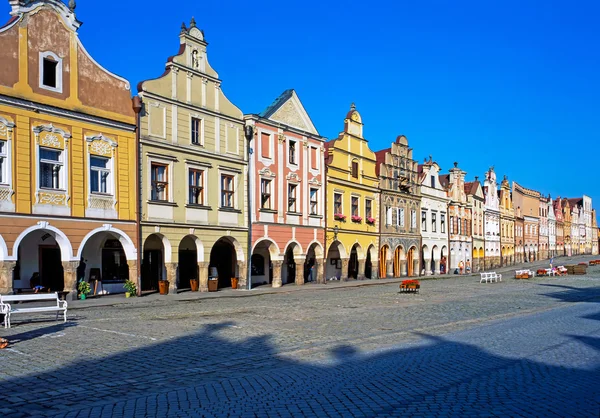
(51, 269)
(151, 269)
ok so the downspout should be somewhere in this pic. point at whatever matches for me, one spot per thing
(325, 204)
(137, 107)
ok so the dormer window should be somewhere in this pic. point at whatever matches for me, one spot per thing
(50, 69)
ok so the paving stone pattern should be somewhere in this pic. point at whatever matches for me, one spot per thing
(458, 348)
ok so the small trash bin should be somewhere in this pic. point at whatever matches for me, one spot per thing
(213, 284)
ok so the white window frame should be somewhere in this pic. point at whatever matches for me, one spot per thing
(341, 212)
(317, 156)
(401, 218)
(297, 143)
(201, 131)
(424, 221)
(60, 163)
(317, 201)
(204, 171)
(267, 161)
(6, 127)
(169, 164)
(59, 72)
(413, 219)
(443, 225)
(4, 162)
(269, 182)
(109, 175)
(296, 203)
(434, 222)
(236, 183)
(357, 205)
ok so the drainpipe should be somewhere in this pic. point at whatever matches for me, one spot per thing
(137, 107)
(249, 133)
(325, 201)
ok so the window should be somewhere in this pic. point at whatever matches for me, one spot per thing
(265, 145)
(394, 216)
(443, 223)
(3, 162)
(99, 175)
(368, 208)
(292, 152)
(413, 219)
(196, 131)
(433, 222)
(196, 185)
(424, 220)
(292, 197)
(354, 206)
(401, 217)
(49, 72)
(159, 182)
(314, 160)
(459, 223)
(314, 201)
(355, 169)
(265, 194)
(50, 168)
(433, 182)
(337, 203)
(227, 191)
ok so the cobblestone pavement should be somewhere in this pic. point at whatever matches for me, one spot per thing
(458, 348)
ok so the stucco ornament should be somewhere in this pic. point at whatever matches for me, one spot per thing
(101, 148)
(3, 130)
(289, 115)
(51, 140)
(52, 199)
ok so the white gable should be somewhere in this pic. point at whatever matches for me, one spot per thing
(292, 113)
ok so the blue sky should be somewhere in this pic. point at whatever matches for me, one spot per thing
(512, 84)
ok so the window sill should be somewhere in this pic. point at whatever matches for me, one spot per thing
(195, 206)
(106, 195)
(197, 144)
(294, 213)
(267, 210)
(161, 203)
(225, 209)
(312, 215)
(46, 189)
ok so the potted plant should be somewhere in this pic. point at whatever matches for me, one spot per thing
(356, 218)
(339, 217)
(163, 287)
(194, 285)
(370, 220)
(130, 289)
(84, 288)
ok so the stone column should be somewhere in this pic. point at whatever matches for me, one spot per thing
(361, 270)
(415, 267)
(320, 263)
(242, 275)
(427, 269)
(299, 279)
(389, 268)
(203, 276)
(172, 277)
(403, 269)
(6, 277)
(374, 269)
(437, 267)
(70, 276)
(345, 265)
(277, 273)
(133, 275)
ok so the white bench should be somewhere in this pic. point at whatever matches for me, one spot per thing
(490, 277)
(7, 309)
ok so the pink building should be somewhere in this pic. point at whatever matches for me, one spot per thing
(288, 180)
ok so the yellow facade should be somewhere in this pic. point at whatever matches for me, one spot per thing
(352, 238)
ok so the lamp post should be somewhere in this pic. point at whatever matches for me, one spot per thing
(249, 134)
(335, 232)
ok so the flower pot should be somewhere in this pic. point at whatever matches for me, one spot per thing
(234, 282)
(82, 296)
(3, 343)
(127, 294)
(194, 284)
(163, 287)
(213, 285)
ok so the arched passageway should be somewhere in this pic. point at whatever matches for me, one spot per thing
(223, 262)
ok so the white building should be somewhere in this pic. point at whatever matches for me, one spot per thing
(492, 220)
(551, 229)
(434, 212)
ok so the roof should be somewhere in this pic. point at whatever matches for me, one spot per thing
(575, 201)
(445, 180)
(471, 187)
(283, 97)
(289, 110)
(328, 145)
(380, 158)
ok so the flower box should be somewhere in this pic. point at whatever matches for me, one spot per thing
(410, 286)
(370, 221)
(339, 217)
(356, 219)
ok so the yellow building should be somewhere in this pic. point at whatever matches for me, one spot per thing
(67, 157)
(352, 238)
(507, 224)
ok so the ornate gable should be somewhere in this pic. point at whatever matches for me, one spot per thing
(288, 109)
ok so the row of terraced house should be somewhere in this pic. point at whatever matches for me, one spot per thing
(178, 183)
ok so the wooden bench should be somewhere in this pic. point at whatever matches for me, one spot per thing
(524, 274)
(410, 286)
(7, 307)
(490, 277)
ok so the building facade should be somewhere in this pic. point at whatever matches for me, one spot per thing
(193, 174)
(288, 177)
(519, 236)
(544, 238)
(492, 220)
(476, 202)
(560, 237)
(527, 203)
(595, 242)
(352, 237)
(67, 157)
(567, 227)
(434, 199)
(552, 252)
(399, 199)
(587, 217)
(507, 224)
(460, 226)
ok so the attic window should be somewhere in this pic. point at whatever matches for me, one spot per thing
(355, 169)
(50, 72)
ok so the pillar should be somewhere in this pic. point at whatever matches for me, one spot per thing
(6, 277)
(389, 268)
(70, 276)
(320, 263)
(403, 271)
(415, 267)
(299, 272)
(277, 273)
(427, 263)
(203, 276)
(345, 265)
(172, 277)
(242, 275)
(375, 269)
(361, 270)
(133, 276)
(437, 267)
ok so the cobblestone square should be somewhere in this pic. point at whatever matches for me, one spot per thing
(457, 348)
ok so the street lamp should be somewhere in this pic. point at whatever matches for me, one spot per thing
(249, 134)
(335, 232)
